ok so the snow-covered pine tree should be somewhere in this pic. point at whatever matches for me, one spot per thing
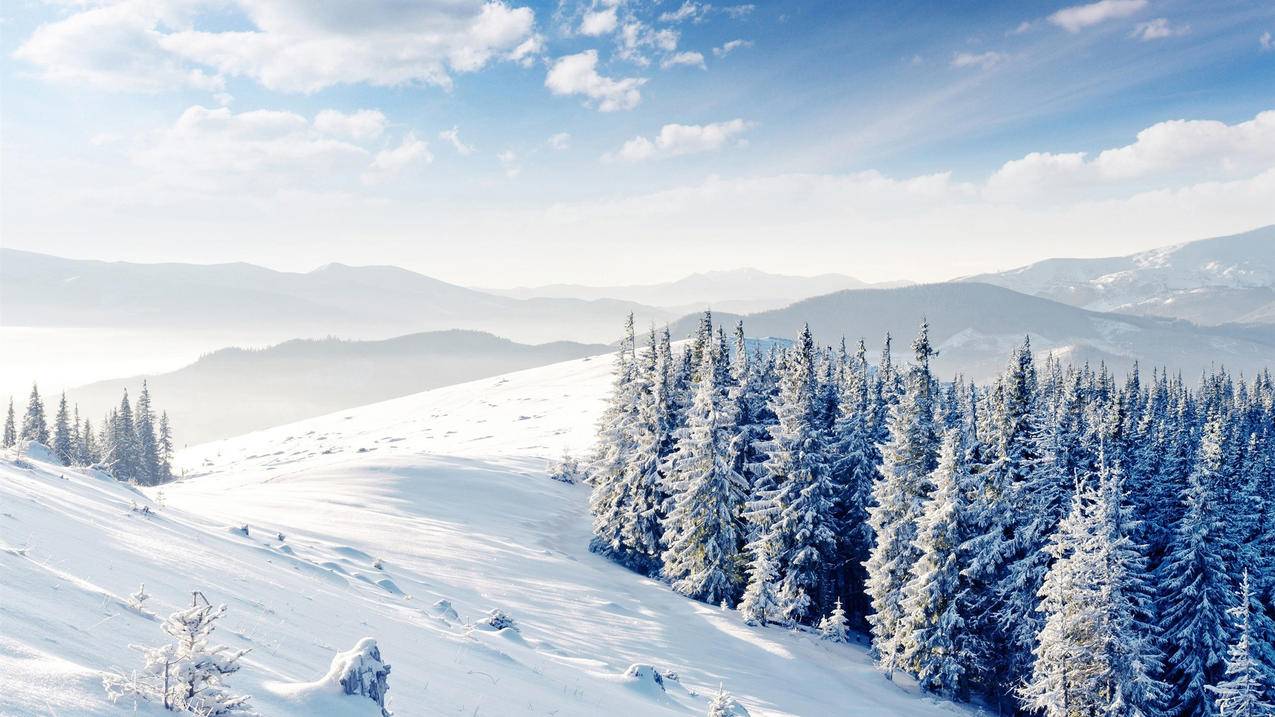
(165, 448)
(34, 426)
(644, 488)
(149, 467)
(933, 631)
(1096, 654)
(701, 529)
(835, 627)
(10, 428)
(123, 458)
(760, 606)
(854, 462)
(187, 675)
(617, 432)
(899, 494)
(724, 705)
(88, 452)
(1195, 592)
(1244, 691)
(1013, 524)
(63, 442)
(796, 515)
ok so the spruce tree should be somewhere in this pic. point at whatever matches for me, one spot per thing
(854, 462)
(644, 488)
(10, 429)
(1095, 653)
(34, 426)
(835, 627)
(165, 448)
(899, 494)
(148, 460)
(63, 445)
(796, 514)
(617, 431)
(933, 627)
(124, 459)
(701, 529)
(1195, 593)
(760, 605)
(1244, 691)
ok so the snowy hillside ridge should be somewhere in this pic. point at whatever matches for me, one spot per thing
(1210, 281)
(314, 544)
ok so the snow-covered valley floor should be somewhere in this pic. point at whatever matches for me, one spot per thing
(405, 521)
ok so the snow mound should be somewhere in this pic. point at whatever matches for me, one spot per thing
(357, 673)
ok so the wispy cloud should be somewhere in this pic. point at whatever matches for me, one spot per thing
(984, 60)
(688, 58)
(1078, 17)
(1158, 29)
(728, 47)
(452, 137)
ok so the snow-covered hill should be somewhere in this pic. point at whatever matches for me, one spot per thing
(975, 326)
(233, 391)
(734, 290)
(1212, 281)
(405, 521)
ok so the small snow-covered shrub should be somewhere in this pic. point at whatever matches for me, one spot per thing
(724, 705)
(834, 627)
(136, 599)
(499, 620)
(362, 672)
(566, 470)
(378, 564)
(186, 676)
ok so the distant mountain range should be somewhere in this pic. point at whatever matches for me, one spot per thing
(737, 290)
(976, 325)
(347, 301)
(234, 391)
(1228, 279)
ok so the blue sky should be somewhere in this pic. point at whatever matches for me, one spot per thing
(617, 140)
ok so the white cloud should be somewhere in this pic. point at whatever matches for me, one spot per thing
(559, 141)
(688, 11)
(1265, 42)
(1078, 17)
(599, 22)
(452, 137)
(293, 45)
(985, 60)
(688, 58)
(1194, 150)
(731, 46)
(1158, 29)
(636, 38)
(679, 139)
(359, 126)
(509, 159)
(578, 75)
(738, 12)
(390, 162)
(210, 149)
(114, 47)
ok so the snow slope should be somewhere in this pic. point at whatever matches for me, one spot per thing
(446, 491)
(1211, 281)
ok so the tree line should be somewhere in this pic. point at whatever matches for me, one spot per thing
(1058, 542)
(132, 444)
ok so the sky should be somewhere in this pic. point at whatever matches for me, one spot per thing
(620, 141)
